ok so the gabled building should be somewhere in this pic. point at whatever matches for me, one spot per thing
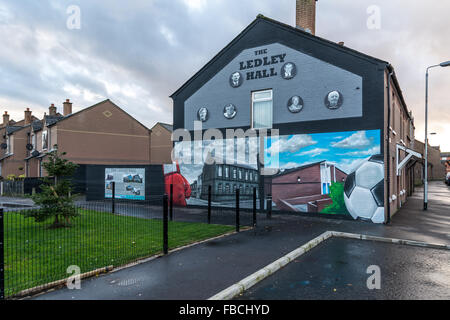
(102, 134)
(224, 180)
(14, 138)
(436, 168)
(161, 143)
(305, 188)
(276, 76)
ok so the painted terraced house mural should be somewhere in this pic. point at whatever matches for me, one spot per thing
(329, 104)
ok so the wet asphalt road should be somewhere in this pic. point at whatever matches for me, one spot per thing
(202, 271)
(337, 270)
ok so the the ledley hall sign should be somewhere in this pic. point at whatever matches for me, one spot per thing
(269, 68)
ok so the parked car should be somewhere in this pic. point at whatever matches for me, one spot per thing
(447, 179)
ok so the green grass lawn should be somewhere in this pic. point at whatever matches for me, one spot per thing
(36, 255)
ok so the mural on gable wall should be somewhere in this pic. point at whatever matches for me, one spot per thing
(328, 173)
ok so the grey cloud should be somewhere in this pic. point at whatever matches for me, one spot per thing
(122, 44)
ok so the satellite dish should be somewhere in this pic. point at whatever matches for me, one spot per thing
(35, 153)
(29, 147)
(4, 146)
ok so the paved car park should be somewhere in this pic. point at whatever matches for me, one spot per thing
(338, 269)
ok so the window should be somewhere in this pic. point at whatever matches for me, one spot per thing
(9, 144)
(227, 188)
(411, 130)
(219, 171)
(40, 167)
(326, 188)
(33, 141)
(240, 174)
(234, 173)
(44, 140)
(227, 172)
(262, 112)
(49, 140)
(234, 188)
(219, 188)
(246, 175)
(401, 127)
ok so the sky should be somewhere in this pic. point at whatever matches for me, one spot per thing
(137, 53)
(345, 149)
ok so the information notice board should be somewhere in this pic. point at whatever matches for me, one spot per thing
(130, 183)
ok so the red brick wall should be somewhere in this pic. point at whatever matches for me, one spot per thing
(306, 15)
(287, 187)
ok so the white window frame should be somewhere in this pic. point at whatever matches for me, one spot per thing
(261, 100)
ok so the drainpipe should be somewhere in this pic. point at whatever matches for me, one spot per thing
(149, 146)
(388, 218)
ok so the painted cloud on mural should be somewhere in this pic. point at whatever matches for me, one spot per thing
(299, 150)
(358, 140)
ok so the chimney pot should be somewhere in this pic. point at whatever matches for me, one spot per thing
(67, 106)
(341, 43)
(52, 110)
(6, 118)
(306, 15)
(27, 116)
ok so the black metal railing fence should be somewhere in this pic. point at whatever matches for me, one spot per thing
(108, 233)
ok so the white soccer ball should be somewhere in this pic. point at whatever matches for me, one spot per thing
(364, 190)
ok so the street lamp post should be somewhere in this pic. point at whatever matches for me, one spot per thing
(425, 189)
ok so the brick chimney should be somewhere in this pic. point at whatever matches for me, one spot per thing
(52, 110)
(27, 116)
(6, 118)
(67, 107)
(306, 15)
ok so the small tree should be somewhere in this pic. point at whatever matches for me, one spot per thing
(56, 198)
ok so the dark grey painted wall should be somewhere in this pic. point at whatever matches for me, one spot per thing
(313, 81)
(264, 32)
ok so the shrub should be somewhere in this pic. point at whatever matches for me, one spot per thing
(56, 198)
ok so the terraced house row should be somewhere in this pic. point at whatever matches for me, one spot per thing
(102, 134)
